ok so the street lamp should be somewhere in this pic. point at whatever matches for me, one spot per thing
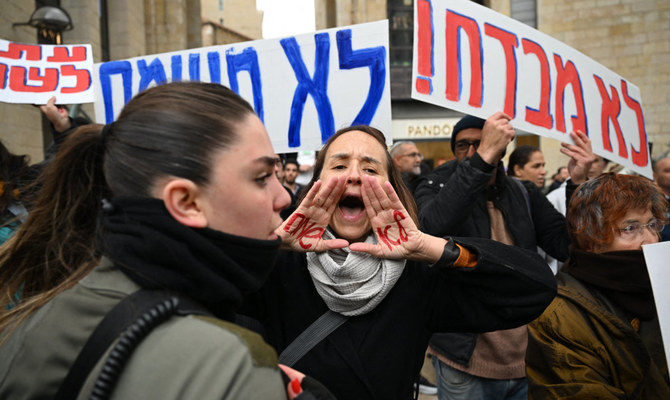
(50, 22)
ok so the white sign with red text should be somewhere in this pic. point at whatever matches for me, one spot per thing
(472, 59)
(32, 73)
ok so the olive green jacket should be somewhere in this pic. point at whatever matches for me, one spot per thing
(184, 358)
(579, 348)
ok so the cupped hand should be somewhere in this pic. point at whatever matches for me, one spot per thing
(581, 156)
(303, 230)
(397, 235)
(58, 116)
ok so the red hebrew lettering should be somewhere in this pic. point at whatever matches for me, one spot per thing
(294, 217)
(610, 112)
(424, 47)
(509, 42)
(303, 230)
(402, 233)
(3, 75)
(541, 116)
(567, 75)
(16, 50)
(61, 54)
(383, 236)
(17, 79)
(456, 23)
(399, 216)
(83, 79)
(641, 157)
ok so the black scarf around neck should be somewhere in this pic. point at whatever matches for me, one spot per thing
(621, 276)
(157, 252)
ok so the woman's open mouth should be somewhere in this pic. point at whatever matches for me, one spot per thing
(351, 207)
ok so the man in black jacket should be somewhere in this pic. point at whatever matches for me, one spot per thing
(472, 196)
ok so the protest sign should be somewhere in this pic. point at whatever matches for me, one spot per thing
(474, 60)
(303, 87)
(33, 73)
(655, 255)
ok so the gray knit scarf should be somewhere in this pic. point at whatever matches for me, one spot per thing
(352, 283)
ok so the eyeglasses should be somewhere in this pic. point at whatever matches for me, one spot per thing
(635, 229)
(413, 155)
(463, 145)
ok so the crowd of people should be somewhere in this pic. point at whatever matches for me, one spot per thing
(173, 254)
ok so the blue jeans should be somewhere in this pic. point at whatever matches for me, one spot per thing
(453, 384)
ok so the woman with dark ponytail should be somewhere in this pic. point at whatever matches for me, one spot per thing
(179, 194)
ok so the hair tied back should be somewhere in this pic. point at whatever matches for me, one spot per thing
(106, 131)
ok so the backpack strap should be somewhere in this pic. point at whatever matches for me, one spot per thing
(148, 305)
(311, 336)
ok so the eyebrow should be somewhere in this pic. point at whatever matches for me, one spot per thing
(267, 160)
(343, 156)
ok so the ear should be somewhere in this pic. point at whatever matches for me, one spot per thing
(517, 170)
(183, 200)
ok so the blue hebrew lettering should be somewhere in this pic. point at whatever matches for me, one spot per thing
(176, 68)
(373, 58)
(194, 67)
(246, 61)
(125, 69)
(153, 72)
(317, 87)
(214, 63)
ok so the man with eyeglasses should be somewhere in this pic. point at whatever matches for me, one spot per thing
(407, 159)
(472, 196)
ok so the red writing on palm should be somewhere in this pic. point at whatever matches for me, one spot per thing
(402, 234)
(303, 229)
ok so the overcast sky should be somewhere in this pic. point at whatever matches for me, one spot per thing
(286, 17)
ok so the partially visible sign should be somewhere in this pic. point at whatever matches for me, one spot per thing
(474, 60)
(414, 129)
(33, 73)
(656, 257)
(303, 88)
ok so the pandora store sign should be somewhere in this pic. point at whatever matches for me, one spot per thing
(415, 129)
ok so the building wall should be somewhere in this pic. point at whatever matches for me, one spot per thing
(215, 34)
(239, 15)
(630, 37)
(332, 13)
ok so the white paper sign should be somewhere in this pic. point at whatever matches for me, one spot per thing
(474, 60)
(32, 73)
(303, 88)
(656, 256)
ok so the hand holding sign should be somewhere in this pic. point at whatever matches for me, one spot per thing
(58, 116)
(397, 234)
(581, 157)
(303, 230)
(498, 132)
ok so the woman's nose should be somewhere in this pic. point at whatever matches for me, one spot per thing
(282, 198)
(354, 176)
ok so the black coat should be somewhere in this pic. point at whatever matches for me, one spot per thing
(379, 355)
(452, 201)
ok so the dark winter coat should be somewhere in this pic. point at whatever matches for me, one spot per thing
(378, 355)
(452, 201)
